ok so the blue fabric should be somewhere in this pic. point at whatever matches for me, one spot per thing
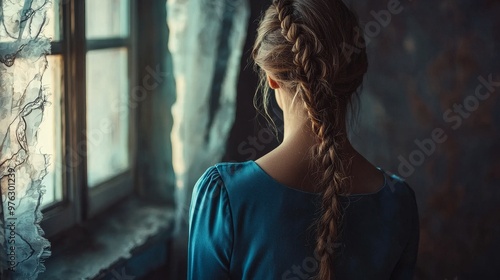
(245, 225)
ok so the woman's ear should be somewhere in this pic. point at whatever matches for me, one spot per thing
(272, 83)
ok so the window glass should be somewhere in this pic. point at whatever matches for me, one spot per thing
(49, 134)
(53, 29)
(107, 19)
(107, 114)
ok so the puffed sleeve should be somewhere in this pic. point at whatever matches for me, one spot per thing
(405, 268)
(210, 229)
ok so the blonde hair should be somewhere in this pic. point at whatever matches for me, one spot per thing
(307, 47)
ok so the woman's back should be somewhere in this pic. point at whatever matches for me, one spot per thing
(249, 226)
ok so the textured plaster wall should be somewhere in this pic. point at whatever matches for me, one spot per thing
(425, 69)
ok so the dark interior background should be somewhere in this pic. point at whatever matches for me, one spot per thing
(424, 61)
(249, 123)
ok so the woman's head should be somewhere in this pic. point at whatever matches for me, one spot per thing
(315, 51)
(312, 47)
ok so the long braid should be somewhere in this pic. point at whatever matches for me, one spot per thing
(303, 47)
(312, 74)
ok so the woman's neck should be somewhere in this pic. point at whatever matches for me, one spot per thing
(298, 131)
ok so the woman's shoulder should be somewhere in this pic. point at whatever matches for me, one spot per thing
(230, 174)
(398, 185)
(212, 190)
(400, 191)
(232, 168)
(239, 182)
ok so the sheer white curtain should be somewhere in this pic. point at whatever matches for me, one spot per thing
(206, 42)
(23, 97)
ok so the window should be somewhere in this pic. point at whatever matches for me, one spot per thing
(89, 130)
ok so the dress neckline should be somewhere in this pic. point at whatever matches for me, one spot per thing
(379, 190)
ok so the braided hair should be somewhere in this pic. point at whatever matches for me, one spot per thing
(306, 46)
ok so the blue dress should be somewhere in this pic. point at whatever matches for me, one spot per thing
(246, 225)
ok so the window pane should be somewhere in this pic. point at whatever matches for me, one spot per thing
(53, 29)
(107, 114)
(49, 134)
(105, 19)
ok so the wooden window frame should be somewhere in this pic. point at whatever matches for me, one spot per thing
(79, 202)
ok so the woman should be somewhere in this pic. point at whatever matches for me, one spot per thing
(313, 208)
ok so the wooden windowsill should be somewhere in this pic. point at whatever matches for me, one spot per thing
(103, 244)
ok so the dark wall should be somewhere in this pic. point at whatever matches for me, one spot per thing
(421, 117)
(250, 137)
